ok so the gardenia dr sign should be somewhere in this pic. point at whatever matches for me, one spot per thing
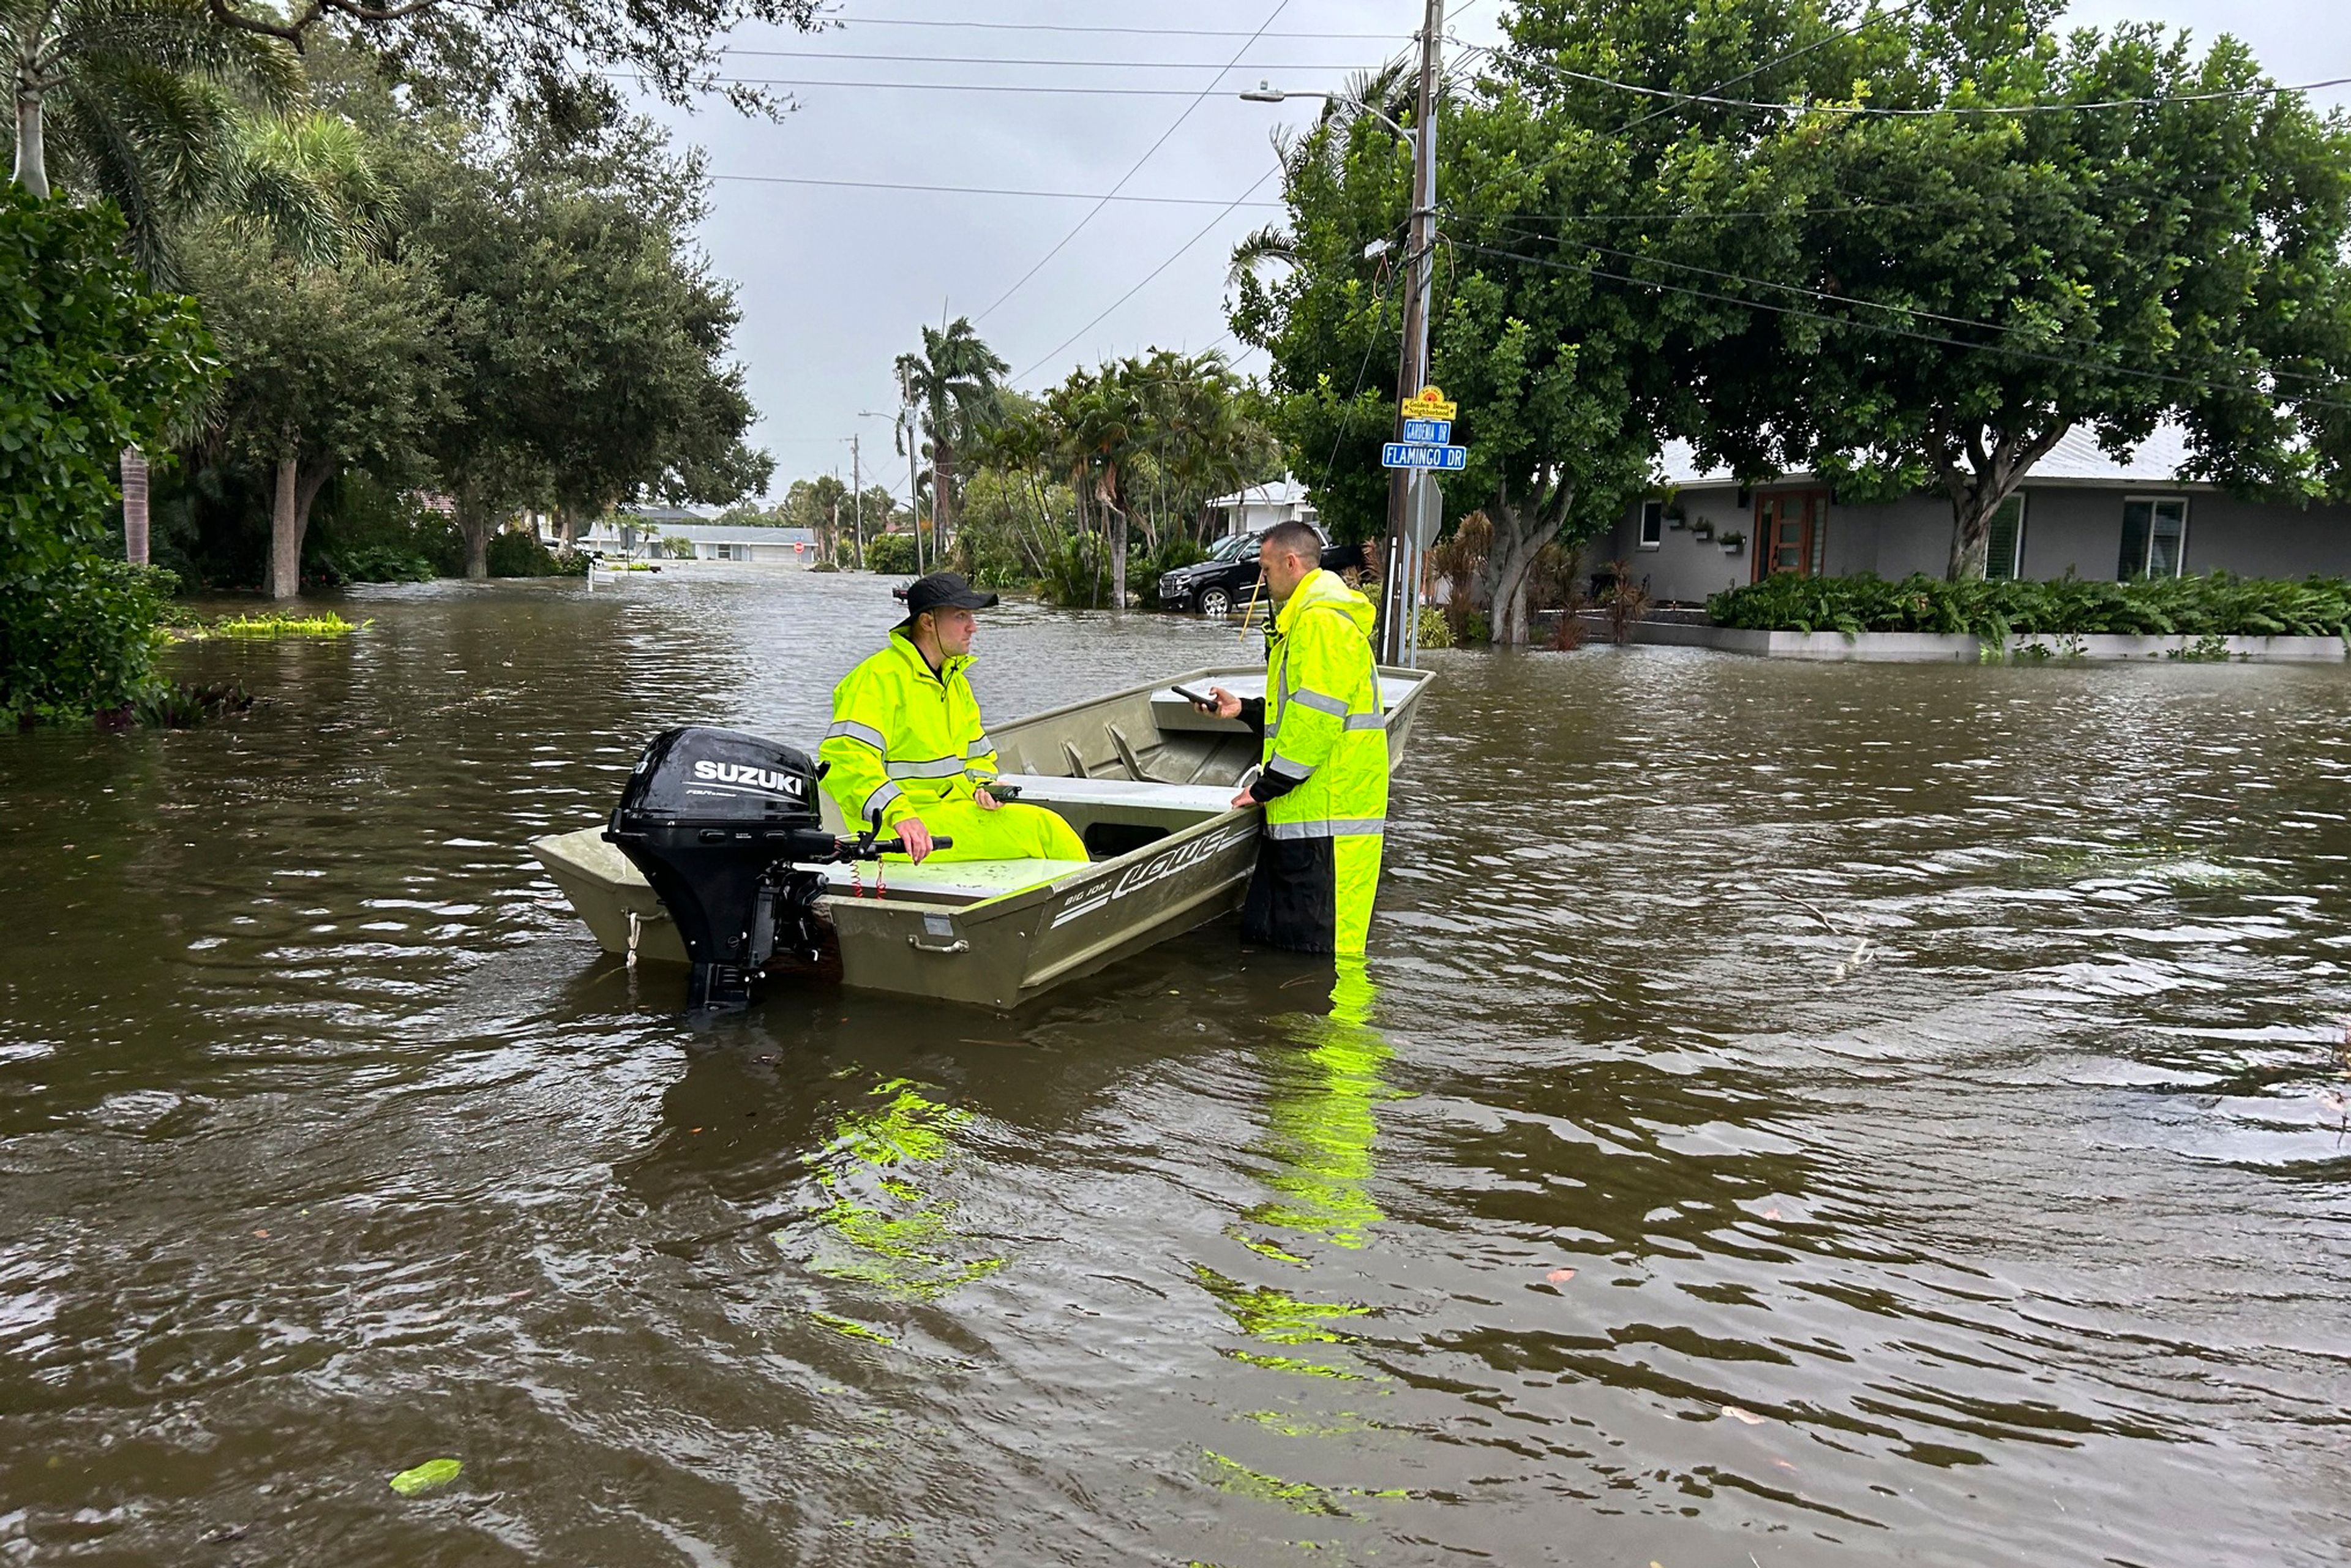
(1428, 435)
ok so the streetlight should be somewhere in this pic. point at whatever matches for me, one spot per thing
(1396, 622)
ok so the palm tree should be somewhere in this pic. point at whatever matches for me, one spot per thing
(140, 92)
(952, 385)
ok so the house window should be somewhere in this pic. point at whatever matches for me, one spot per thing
(2004, 551)
(1652, 524)
(2154, 536)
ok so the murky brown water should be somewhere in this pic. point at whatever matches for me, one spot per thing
(329, 1144)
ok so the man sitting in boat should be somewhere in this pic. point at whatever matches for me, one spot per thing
(1324, 778)
(908, 753)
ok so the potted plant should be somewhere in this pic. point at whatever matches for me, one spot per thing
(1732, 541)
(1702, 529)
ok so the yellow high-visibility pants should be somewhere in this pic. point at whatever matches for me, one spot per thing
(1011, 832)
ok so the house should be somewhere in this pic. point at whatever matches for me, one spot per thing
(2079, 511)
(1261, 506)
(640, 531)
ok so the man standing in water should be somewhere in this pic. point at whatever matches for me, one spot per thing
(1324, 778)
(907, 753)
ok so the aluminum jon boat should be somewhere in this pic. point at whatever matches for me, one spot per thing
(1144, 777)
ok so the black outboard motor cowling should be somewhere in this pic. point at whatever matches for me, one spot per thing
(715, 819)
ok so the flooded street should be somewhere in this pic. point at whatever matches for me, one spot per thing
(1924, 1071)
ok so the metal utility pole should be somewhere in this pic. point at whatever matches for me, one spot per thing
(915, 486)
(857, 500)
(1400, 607)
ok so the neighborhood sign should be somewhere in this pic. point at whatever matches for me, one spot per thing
(1414, 454)
(1429, 404)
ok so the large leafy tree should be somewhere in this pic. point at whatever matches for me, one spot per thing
(587, 340)
(1567, 377)
(953, 385)
(2026, 236)
(334, 349)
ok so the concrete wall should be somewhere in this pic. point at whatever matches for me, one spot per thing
(2067, 528)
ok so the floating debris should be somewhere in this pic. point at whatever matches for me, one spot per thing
(425, 1477)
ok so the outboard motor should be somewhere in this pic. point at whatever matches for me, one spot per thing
(723, 825)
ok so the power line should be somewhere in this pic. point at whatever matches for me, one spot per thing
(2264, 90)
(1882, 328)
(1143, 32)
(1179, 251)
(957, 87)
(1095, 64)
(1875, 16)
(1272, 17)
(984, 191)
(1914, 311)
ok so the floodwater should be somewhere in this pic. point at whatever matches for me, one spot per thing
(1931, 1075)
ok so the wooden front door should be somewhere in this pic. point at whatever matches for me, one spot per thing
(1791, 532)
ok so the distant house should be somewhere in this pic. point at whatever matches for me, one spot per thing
(1261, 505)
(639, 531)
(2079, 511)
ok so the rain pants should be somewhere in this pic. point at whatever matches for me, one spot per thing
(1324, 779)
(906, 741)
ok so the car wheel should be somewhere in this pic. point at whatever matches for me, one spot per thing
(1216, 601)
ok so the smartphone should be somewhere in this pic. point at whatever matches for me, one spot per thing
(1194, 698)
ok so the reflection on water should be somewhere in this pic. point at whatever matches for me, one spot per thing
(1797, 1114)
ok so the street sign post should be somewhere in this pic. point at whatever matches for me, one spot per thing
(1425, 510)
(1414, 454)
(1434, 431)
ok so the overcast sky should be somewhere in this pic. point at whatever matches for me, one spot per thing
(837, 280)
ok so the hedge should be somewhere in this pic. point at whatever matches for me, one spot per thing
(2217, 605)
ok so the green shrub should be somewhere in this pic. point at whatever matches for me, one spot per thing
(1077, 573)
(2218, 605)
(1436, 630)
(80, 638)
(513, 554)
(891, 555)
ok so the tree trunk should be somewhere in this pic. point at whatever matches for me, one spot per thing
(475, 528)
(32, 155)
(134, 505)
(284, 576)
(1971, 537)
(1508, 561)
(1977, 475)
(1118, 560)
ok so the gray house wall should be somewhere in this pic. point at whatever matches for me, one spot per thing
(2069, 527)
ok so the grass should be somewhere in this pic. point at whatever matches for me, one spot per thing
(269, 625)
(2206, 608)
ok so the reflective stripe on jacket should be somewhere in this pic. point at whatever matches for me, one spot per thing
(1326, 744)
(903, 737)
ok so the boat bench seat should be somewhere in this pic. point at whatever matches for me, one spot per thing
(962, 881)
(1128, 799)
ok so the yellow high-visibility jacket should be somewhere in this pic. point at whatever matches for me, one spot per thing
(1326, 744)
(903, 738)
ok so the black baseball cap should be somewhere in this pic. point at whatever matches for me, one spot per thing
(944, 590)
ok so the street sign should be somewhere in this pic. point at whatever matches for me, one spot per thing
(1429, 403)
(1412, 455)
(1424, 513)
(1435, 431)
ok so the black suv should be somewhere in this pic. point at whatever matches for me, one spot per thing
(1223, 582)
